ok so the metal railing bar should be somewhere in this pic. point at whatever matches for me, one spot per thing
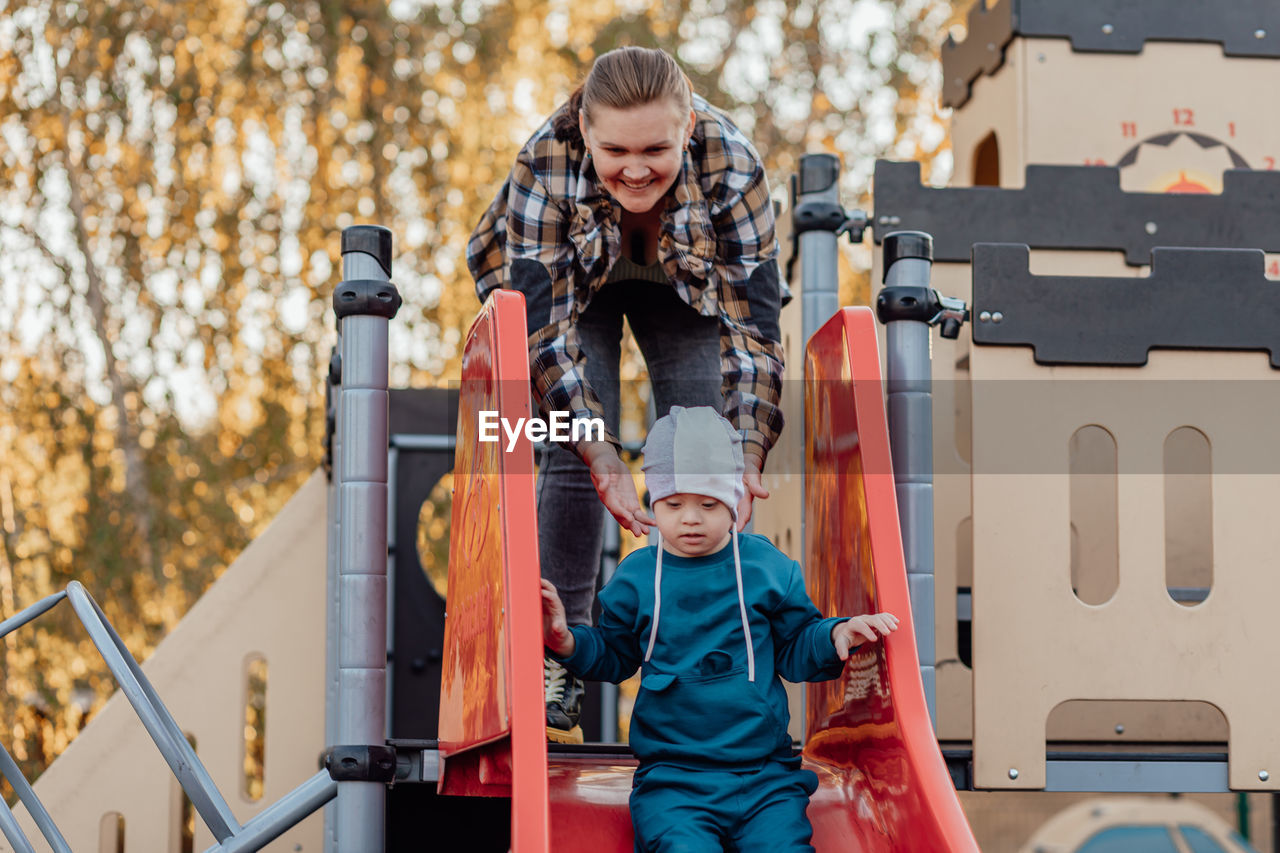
(155, 717)
(283, 814)
(41, 607)
(8, 823)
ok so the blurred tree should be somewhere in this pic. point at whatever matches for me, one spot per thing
(173, 179)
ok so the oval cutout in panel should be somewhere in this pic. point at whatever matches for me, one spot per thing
(255, 728)
(986, 162)
(1091, 720)
(434, 520)
(111, 833)
(1094, 522)
(1188, 516)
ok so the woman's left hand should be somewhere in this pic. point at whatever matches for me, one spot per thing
(754, 488)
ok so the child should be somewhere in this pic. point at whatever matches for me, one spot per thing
(712, 622)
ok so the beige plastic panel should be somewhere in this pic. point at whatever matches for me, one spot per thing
(996, 107)
(952, 426)
(269, 603)
(1036, 645)
(1047, 104)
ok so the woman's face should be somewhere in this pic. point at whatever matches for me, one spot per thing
(638, 151)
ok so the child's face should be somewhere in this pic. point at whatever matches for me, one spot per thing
(692, 525)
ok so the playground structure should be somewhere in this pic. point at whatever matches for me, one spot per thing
(1147, 553)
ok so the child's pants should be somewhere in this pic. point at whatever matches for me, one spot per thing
(676, 809)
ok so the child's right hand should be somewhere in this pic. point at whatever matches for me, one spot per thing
(855, 630)
(556, 635)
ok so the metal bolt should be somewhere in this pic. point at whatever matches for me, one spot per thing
(1259, 34)
(1041, 57)
(1119, 728)
(984, 317)
(997, 317)
(1151, 228)
(1107, 29)
(1264, 775)
(1013, 773)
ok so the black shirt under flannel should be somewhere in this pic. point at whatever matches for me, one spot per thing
(552, 232)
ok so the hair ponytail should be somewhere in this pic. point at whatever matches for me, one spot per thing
(565, 121)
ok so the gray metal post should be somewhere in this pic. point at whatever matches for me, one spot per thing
(816, 218)
(360, 760)
(906, 306)
(333, 389)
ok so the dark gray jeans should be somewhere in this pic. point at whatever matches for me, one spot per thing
(682, 351)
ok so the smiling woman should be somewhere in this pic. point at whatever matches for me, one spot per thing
(635, 200)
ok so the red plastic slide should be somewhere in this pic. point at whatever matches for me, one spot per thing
(883, 783)
(885, 786)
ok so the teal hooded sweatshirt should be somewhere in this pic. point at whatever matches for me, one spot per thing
(697, 705)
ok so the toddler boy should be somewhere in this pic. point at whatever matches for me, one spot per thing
(712, 621)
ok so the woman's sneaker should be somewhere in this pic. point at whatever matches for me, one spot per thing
(564, 702)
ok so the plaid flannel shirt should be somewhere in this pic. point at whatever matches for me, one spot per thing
(552, 232)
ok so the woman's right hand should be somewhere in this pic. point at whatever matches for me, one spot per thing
(615, 486)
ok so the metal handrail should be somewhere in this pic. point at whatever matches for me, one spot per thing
(168, 737)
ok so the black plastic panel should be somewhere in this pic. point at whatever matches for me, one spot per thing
(1078, 207)
(1242, 27)
(418, 646)
(418, 610)
(1194, 299)
(981, 52)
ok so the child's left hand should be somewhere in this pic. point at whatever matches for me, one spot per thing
(854, 631)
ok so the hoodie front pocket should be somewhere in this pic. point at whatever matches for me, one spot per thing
(722, 715)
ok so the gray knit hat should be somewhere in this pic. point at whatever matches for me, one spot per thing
(694, 451)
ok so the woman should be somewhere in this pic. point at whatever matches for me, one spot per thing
(636, 199)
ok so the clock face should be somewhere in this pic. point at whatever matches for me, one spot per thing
(1178, 161)
(1172, 118)
(1174, 108)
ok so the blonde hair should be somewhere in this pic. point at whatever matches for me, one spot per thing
(623, 78)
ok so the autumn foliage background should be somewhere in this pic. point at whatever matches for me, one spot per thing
(173, 181)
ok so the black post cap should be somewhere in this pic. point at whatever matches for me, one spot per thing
(370, 239)
(818, 172)
(907, 244)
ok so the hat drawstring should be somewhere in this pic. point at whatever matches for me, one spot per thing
(742, 608)
(657, 602)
